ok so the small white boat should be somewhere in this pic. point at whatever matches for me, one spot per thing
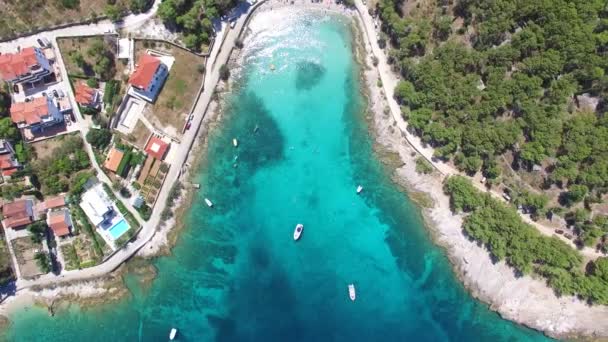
(298, 231)
(235, 142)
(172, 334)
(209, 203)
(359, 189)
(351, 292)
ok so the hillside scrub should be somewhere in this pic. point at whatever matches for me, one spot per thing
(500, 228)
(516, 88)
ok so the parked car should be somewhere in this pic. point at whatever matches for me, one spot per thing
(61, 94)
(232, 24)
(46, 42)
(559, 231)
(55, 93)
(188, 125)
(568, 236)
(40, 42)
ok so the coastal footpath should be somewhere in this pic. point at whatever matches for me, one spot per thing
(525, 300)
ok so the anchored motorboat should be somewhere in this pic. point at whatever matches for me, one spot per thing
(351, 292)
(298, 231)
(209, 203)
(235, 142)
(359, 189)
(172, 334)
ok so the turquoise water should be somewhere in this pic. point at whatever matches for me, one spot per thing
(118, 229)
(237, 275)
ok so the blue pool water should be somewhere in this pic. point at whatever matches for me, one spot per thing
(237, 275)
(118, 229)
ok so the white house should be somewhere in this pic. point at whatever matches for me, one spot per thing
(148, 78)
(96, 205)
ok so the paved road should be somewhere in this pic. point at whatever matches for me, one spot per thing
(218, 56)
(389, 82)
(129, 22)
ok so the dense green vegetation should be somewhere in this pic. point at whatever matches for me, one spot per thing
(515, 89)
(6, 263)
(423, 166)
(43, 261)
(193, 18)
(99, 138)
(500, 228)
(37, 231)
(102, 59)
(56, 171)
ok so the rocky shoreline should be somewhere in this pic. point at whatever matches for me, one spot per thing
(524, 300)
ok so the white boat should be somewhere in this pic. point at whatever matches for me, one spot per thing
(209, 203)
(172, 334)
(351, 292)
(298, 231)
(235, 142)
(359, 189)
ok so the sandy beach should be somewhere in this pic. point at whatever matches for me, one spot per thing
(525, 300)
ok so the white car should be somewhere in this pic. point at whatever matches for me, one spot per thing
(232, 24)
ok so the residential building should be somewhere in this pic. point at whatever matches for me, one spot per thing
(148, 78)
(113, 160)
(156, 148)
(60, 222)
(102, 212)
(30, 65)
(18, 214)
(36, 115)
(86, 96)
(8, 161)
(51, 203)
(96, 205)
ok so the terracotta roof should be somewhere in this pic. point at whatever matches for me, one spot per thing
(58, 222)
(84, 94)
(156, 148)
(16, 221)
(144, 71)
(6, 161)
(15, 208)
(30, 112)
(13, 65)
(9, 172)
(54, 202)
(113, 160)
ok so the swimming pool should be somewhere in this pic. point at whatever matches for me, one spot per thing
(118, 229)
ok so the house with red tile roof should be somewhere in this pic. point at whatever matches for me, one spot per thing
(18, 214)
(29, 65)
(60, 222)
(156, 148)
(8, 162)
(51, 203)
(86, 96)
(148, 77)
(113, 160)
(37, 114)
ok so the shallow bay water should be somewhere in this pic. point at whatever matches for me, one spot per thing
(236, 274)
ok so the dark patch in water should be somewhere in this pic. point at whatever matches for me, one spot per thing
(309, 74)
